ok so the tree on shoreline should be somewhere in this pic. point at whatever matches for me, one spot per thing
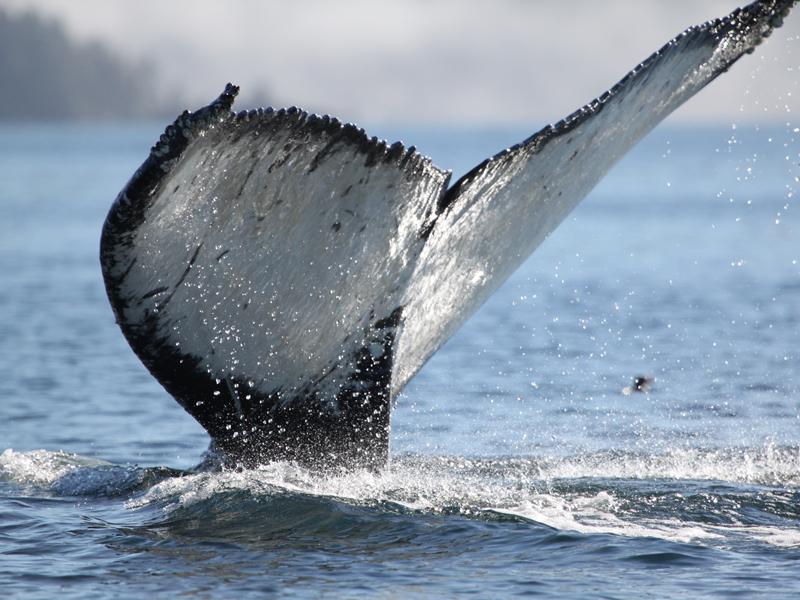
(46, 76)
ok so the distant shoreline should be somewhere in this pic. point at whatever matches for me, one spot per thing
(48, 77)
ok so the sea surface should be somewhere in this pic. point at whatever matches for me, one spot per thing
(519, 465)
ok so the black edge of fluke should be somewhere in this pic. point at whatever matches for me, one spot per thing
(319, 424)
(128, 210)
(129, 207)
(248, 426)
(739, 27)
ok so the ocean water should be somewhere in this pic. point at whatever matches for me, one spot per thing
(519, 465)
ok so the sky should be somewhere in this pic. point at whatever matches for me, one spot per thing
(458, 62)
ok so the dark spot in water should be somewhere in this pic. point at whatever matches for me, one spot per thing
(39, 384)
(663, 559)
(640, 384)
(759, 387)
(336, 226)
(223, 254)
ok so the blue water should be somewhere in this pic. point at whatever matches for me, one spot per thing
(519, 466)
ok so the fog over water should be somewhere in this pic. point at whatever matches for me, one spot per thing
(377, 62)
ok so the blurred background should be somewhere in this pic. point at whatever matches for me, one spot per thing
(405, 62)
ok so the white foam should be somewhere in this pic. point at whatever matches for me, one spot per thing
(784, 538)
(767, 465)
(41, 467)
(66, 474)
(596, 515)
(586, 494)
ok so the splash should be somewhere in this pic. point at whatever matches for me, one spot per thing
(688, 496)
(65, 474)
(712, 497)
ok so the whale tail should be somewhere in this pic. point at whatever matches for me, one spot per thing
(283, 276)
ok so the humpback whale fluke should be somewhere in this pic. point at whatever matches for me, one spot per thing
(283, 275)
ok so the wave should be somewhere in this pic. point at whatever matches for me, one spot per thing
(65, 474)
(722, 498)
